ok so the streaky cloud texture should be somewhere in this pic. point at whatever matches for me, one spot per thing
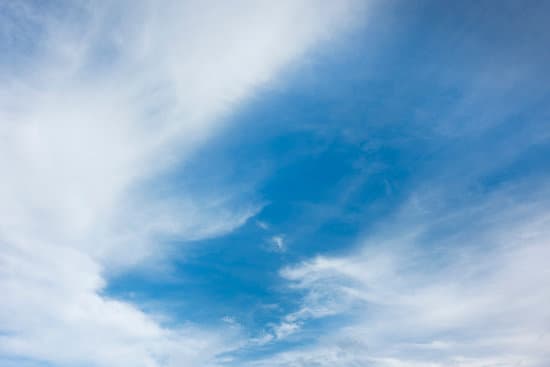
(297, 183)
(97, 98)
(470, 298)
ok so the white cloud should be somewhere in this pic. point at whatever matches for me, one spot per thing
(110, 96)
(472, 297)
(262, 225)
(278, 243)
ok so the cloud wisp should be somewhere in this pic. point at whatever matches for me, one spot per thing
(469, 297)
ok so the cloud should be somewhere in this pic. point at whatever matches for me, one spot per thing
(457, 276)
(473, 296)
(95, 100)
(262, 225)
(278, 243)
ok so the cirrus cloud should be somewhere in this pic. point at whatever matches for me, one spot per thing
(96, 100)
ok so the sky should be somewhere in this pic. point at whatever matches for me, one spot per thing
(293, 183)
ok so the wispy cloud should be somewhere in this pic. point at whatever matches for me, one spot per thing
(278, 243)
(470, 297)
(98, 99)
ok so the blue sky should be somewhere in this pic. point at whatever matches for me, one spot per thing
(294, 183)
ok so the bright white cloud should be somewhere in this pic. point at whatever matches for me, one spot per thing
(109, 96)
(473, 297)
